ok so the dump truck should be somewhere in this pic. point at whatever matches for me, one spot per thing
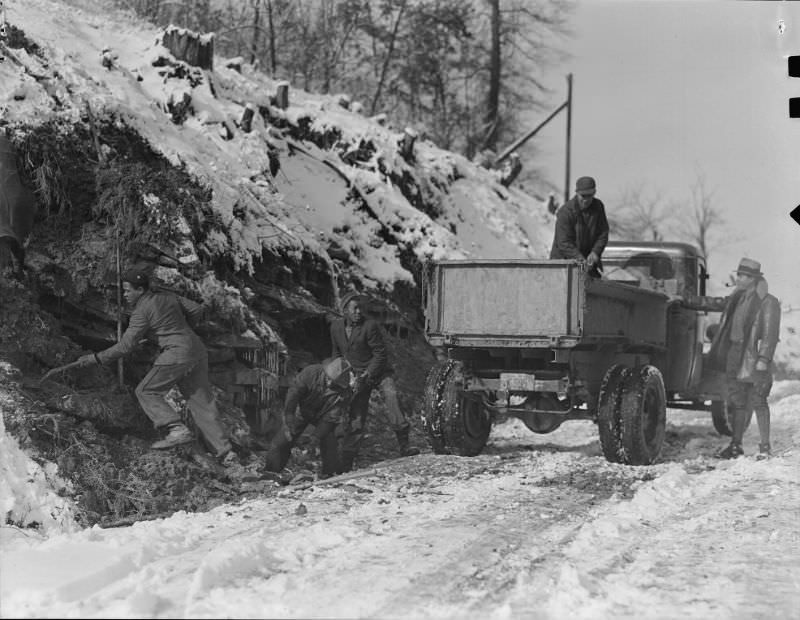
(543, 341)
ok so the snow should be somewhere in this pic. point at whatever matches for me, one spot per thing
(28, 490)
(403, 543)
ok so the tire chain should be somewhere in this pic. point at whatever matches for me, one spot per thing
(432, 407)
(611, 390)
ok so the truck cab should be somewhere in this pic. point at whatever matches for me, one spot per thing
(675, 269)
(679, 271)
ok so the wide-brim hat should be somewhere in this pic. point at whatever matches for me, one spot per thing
(336, 367)
(749, 267)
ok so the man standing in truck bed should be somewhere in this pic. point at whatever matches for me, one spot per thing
(360, 341)
(582, 228)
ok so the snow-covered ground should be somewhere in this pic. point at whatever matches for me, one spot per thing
(539, 526)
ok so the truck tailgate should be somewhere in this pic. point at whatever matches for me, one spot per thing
(503, 298)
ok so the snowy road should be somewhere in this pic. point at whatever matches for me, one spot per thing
(540, 526)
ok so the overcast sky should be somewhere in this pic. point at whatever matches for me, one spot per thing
(665, 90)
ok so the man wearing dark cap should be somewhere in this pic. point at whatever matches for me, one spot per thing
(743, 346)
(360, 341)
(582, 228)
(182, 362)
(322, 393)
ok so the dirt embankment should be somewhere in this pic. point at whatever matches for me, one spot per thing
(87, 421)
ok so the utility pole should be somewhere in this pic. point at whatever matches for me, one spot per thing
(569, 134)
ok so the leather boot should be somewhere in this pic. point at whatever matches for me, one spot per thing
(347, 461)
(762, 418)
(278, 455)
(732, 451)
(402, 441)
(328, 450)
(740, 418)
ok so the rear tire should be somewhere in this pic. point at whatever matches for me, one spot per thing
(719, 416)
(643, 412)
(432, 406)
(456, 423)
(609, 421)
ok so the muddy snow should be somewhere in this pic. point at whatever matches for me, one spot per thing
(539, 526)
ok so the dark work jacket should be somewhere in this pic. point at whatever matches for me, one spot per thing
(310, 390)
(162, 316)
(365, 349)
(578, 234)
(761, 329)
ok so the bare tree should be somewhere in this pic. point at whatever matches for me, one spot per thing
(256, 30)
(639, 215)
(388, 57)
(703, 217)
(495, 72)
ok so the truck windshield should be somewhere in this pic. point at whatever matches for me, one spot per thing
(655, 271)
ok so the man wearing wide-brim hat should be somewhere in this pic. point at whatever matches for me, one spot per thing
(743, 347)
(582, 228)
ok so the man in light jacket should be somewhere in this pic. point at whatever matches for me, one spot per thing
(182, 362)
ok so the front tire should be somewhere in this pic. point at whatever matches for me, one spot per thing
(609, 421)
(432, 406)
(643, 411)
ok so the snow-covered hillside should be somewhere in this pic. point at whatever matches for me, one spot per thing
(307, 205)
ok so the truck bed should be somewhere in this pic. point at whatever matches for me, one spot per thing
(536, 303)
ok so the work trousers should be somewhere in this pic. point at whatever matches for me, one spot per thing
(355, 424)
(191, 378)
(744, 397)
(325, 421)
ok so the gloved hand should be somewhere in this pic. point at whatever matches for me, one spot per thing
(90, 359)
(592, 259)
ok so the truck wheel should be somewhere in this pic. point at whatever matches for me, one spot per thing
(643, 411)
(719, 416)
(432, 405)
(466, 423)
(609, 422)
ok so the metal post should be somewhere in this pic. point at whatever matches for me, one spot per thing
(569, 133)
(528, 135)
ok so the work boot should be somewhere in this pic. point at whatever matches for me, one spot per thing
(347, 460)
(230, 459)
(402, 441)
(734, 450)
(764, 451)
(178, 434)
